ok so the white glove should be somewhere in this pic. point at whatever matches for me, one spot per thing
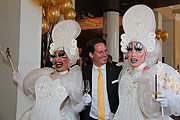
(17, 77)
(163, 100)
(86, 99)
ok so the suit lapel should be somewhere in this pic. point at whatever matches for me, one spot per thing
(89, 76)
(108, 79)
(90, 79)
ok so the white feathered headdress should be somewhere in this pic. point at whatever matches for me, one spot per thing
(63, 35)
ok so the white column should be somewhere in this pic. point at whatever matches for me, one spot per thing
(111, 33)
(29, 47)
(73, 2)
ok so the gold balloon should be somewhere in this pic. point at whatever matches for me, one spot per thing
(158, 31)
(39, 2)
(70, 14)
(158, 34)
(57, 2)
(44, 12)
(65, 5)
(164, 35)
(45, 26)
(46, 3)
(53, 14)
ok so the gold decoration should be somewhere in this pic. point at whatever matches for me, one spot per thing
(158, 34)
(164, 35)
(66, 5)
(173, 84)
(57, 2)
(45, 26)
(43, 12)
(161, 34)
(53, 14)
(39, 2)
(70, 14)
(155, 94)
(46, 3)
(166, 81)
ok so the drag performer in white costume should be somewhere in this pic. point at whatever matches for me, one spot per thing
(137, 81)
(57, 92)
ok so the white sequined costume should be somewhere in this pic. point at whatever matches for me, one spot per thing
(136, 86)
(135, 95)
(51, 93)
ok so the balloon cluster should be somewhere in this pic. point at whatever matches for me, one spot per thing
(162, 34)
(51, 11)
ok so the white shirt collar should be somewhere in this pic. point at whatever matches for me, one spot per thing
(103, 67)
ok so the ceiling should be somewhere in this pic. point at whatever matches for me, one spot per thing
(90, 15)
(95, 8)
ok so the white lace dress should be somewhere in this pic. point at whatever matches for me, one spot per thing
(135, 97)
(51, 93)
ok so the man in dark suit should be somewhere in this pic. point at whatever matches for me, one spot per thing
(110, 72)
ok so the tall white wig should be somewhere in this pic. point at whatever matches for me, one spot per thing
(63, 35)
(139, 25)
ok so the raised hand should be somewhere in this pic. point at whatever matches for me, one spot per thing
(17, 77)
(86, 99)
(162, 99)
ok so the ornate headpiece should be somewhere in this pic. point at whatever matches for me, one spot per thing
(63, 35)
(139, 25)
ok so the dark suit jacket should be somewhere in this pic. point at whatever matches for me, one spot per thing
(112, 73)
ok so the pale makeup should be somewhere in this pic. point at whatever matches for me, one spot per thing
(60, 61)
(136, 54)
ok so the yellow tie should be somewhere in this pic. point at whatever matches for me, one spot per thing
(101, 107)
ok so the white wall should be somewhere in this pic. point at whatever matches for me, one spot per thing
(20, 23)
(167, 25)
(9, 37)
(176, 43)
(164, 23)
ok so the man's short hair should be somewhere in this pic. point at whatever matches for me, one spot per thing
(93, 42)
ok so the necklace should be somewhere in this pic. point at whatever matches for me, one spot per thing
(140, 67)
(61, 73)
